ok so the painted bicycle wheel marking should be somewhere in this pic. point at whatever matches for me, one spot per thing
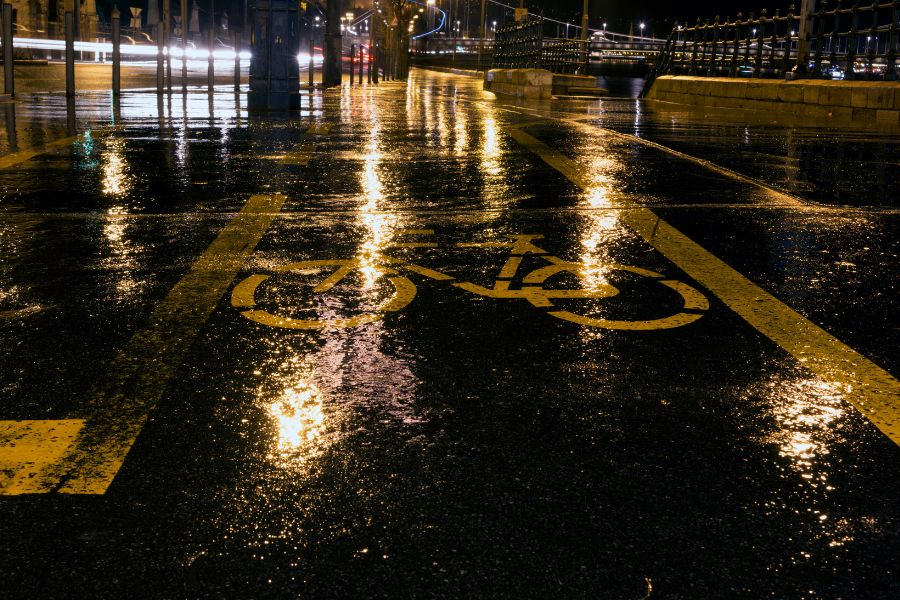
(243, 296)
(533, 289)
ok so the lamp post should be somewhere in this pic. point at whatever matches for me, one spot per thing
(584, 21)
(801, 67)
(642, 29)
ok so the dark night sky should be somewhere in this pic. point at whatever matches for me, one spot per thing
(658, 14)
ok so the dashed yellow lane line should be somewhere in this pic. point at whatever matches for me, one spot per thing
(319, 128)
(140, 372)
(869, 388)
(299, 155)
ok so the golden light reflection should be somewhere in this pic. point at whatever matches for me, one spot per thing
(490, 148)
(602, 227)
(461, 132)
(378, 225)
(299, 416)
(496, 191)
(442, 134)
(114, 230)
(116, 181)
(806, 413)
(804, 410)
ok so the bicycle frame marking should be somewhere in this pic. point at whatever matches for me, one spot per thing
(531, 290)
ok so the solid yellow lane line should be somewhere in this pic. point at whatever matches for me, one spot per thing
(140, 372)
(16, 158)
(869, 388)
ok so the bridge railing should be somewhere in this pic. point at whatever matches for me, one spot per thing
(858, 41)
(522, 45)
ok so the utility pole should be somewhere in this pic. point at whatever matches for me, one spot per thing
(481, 36)
(800, 67)
(334, 45)
(584, 22)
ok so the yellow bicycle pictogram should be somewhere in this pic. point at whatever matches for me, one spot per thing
(534, 287)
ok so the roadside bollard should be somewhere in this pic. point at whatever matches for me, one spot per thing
(11, 134)
(8, 78)
(360, 64)
(352, 56)
(237, 61)
(71, 124)
(369, 67)
(70, 54)
(160, 62)
(117, 57)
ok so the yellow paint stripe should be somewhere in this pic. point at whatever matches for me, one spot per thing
(774, 195)
(140, 372)
(319, 128)
(299, 155)
(511, 267)
(28, 447)
(414, 245)
(17, 158)
(869, 388)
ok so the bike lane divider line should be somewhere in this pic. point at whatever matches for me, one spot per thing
(867, 387)
(140, 372)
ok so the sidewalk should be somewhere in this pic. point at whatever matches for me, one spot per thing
(51, 77)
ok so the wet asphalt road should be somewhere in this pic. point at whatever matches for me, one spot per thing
(192, 406)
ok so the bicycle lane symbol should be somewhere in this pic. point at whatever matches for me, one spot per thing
(533, 288)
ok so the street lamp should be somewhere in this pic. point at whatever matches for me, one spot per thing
(642, 30)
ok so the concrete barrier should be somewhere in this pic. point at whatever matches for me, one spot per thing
(531, 84)
(858, 101)
(539, 83)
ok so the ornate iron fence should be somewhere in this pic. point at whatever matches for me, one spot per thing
(858, 41)
(522, 45)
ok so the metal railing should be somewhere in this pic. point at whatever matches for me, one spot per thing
(859, 41)
(522, 45)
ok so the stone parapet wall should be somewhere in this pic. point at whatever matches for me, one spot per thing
(859, 101)
(536, 84)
